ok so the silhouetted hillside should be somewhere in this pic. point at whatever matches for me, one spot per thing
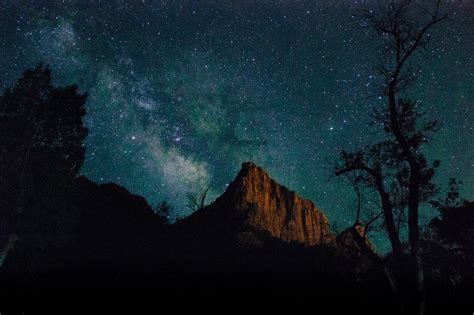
(112, 238)
(106, 233)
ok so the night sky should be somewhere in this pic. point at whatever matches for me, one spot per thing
(182, 92)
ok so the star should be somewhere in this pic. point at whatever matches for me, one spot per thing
(178, 97)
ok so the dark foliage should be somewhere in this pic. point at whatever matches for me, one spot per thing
(452, 235)
(456, 226)
(41, 151)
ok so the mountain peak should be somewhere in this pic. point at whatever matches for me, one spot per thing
(254, 200)
(250, 169)
(248, 165)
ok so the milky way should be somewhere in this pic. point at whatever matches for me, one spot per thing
(182, 92)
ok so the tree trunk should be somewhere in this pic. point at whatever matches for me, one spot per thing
(368, 251)
(414, 238)
(393, 286)
(413, 198)
(389, 221)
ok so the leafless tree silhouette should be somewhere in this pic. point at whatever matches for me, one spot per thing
(395, 167)
(196, 203)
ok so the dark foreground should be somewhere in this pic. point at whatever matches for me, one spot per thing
(207, 292)
(120, 259)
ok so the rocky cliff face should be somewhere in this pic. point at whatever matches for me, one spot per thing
(255, 201)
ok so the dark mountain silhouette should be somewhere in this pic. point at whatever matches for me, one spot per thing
(257, 234)
(106, 233)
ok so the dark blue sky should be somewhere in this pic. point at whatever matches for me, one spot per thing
(182, 92)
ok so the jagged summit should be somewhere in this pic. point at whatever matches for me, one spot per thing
(247, 166)
(255, 201)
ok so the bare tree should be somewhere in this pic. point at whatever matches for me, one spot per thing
(396, 168)
(196, 203)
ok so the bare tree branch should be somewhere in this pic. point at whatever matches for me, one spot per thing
(196, 203)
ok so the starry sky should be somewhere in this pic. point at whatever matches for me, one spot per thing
(182, 92)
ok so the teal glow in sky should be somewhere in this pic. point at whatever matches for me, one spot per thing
(181, 94)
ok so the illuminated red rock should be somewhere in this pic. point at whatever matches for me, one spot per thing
(254, 201)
